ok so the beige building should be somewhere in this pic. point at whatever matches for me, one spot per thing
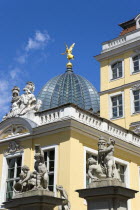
(64, 119)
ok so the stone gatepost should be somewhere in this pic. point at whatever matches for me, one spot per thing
(35, 200)
(108, 194)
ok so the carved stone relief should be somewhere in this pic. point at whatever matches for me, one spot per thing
(13, 147)
(136, 129)
(136, 87)
(13, 130)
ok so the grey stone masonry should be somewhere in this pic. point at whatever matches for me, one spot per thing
(106, 197)
(35, 199)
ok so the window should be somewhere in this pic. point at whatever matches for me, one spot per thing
(121, 169)
(14, 169)
(136, 63)
(117, 106)
(117, 70)
(136, 95)
(49, 156)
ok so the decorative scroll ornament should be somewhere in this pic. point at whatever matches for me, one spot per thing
(136, 87)
(13, 130)
(137, 129)
(13, 148)
(105, 166)
(37, 179)
(20, 105)
(63, 194)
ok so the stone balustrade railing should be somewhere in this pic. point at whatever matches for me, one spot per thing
(117, 42)
(72, 112)
(113, 43)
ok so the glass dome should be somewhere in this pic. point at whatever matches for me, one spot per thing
(69, 88)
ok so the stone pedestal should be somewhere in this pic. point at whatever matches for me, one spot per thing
(35, 200)
(106, 195)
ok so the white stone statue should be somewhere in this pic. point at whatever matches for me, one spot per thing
(40, 168)
(63, 194)
(27, 180)
(25, 103)
(105, 167)
(37, 179)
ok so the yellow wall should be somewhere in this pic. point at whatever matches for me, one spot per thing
(107, 84)
(70, 162)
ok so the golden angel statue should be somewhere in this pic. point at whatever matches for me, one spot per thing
(69, 52)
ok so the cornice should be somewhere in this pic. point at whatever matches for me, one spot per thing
(118, 51)
(120, 87)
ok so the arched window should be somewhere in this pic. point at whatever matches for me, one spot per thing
(136, 63)
(117, 70)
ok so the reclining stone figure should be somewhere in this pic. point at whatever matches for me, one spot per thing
(94, 171)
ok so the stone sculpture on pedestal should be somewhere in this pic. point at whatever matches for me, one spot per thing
(105, 166)
(31, 191)
(37, 179)
(105, 190)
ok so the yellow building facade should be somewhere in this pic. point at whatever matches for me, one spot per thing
(120, 77)
(64, 120)
(67, 142)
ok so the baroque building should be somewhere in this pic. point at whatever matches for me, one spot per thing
(120, 76)
(64, 120)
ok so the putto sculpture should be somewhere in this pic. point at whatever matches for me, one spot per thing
(63, 194)
(105, 166)
(20, 105)
(37, 179)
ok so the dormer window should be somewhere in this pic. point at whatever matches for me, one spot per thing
(117, 70)
(136, 63)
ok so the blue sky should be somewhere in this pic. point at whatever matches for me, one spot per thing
(33, 33)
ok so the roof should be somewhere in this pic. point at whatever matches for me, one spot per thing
(69, 88)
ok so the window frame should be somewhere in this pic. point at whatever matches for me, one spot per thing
(137, 53)
(136, 101)
(55, 147)
(111, 72)
(132, 101)
(111, 107)
(3, 188)
(135, 72)
(15, 178)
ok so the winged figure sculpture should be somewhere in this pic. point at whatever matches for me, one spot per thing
(68, 52)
